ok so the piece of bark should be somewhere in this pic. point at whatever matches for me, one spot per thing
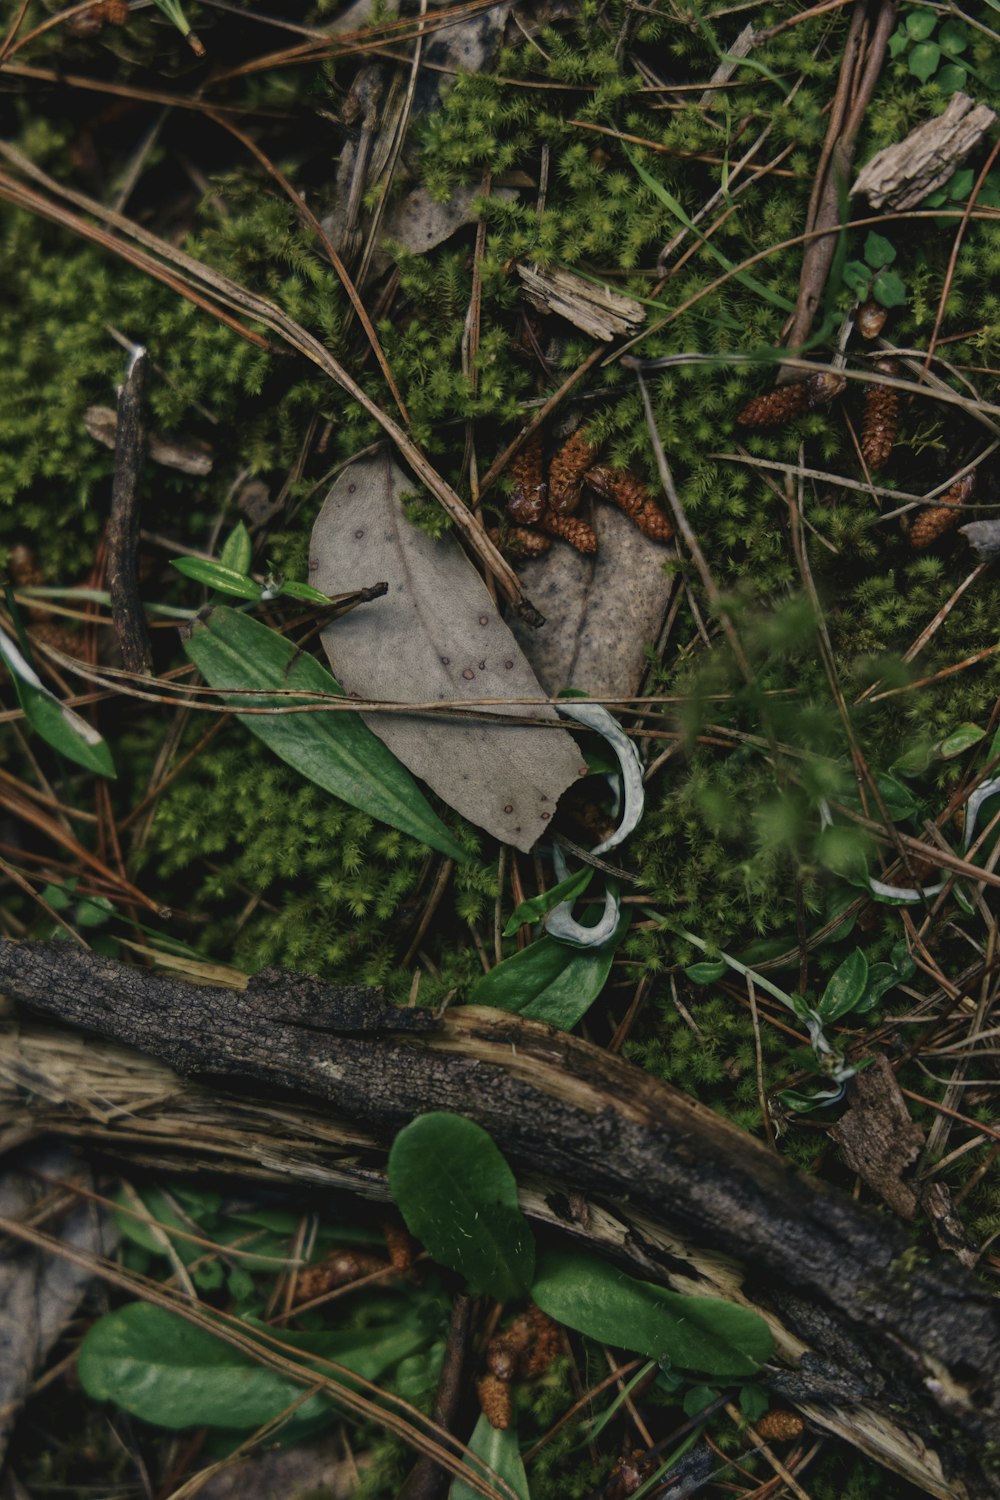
(189, 455)
(949, 1231)
(596, 310)
(131, 1108)
(878, 1138)
(901, 176)
(437, 636)
(123, 524)
(591, 1121)
(983, 537)
(39, 1293)
(601, 612)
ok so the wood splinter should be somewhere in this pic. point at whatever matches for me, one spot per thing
(123, 524)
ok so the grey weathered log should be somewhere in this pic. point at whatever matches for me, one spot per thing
(925, 1332)
(901, 176)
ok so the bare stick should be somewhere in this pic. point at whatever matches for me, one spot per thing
(123, 526)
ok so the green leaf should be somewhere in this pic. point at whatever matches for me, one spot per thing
(879, 251)
(959, 740)
(949, 80)
(175, 1374)
(953, 37)
(159, 1208)
(237, 551)
(899, 41)
(459, 1197)
(914, 761)
(304, 591)
(900, 802)
(216, 575)
(549, 981)
(334, 750)
(697, 1333)
(923, 60)
(804, 1104)
(857, 276)
(498, 1448)
(846, 987)
(696, 1398)
(708, 972)
(889, 289)
(920, 24)
(536, 907)
(59, 726)
(960, 184)
(754, 1402)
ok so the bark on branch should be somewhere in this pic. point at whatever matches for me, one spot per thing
(891, 1331)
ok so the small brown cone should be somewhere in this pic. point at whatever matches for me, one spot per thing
(566, 473)
(528, 499)
(495, 1401)
(780, 1426)
(786, 402)
(571, 529)
(871, 318)
(340, 1268)
(880, 422)
(623, 489)
(402, 1247)
(934, 520)
(518, 541)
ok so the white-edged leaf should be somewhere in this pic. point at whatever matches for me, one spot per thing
(60, 726)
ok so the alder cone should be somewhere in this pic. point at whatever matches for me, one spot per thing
(518, 541)
(528, 498)
(880, 423)
(571, 529)
(935, 520)
(786, 402)
(631, 495)
(780, 1426)
(495, 1401)
(566, 473)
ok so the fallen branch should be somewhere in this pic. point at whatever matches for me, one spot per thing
(694, 1199)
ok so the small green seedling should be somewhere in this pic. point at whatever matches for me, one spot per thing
(932, 51)
(872, 277)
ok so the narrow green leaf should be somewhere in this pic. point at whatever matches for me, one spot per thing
(846, 987)
(707, 972)
(961, 739)
(335, 750)
(174, 1374)
(216, 575)
(59, 726)
(879, 251)
(304, 591)
(498, 1448)
(237, 550)
(536, 907)
(549, 981)
(459, 1197)
(698, 1333)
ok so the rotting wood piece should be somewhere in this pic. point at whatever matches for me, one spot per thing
(130, 1108)
(901, 176)
(597, 310)
(927, 1335)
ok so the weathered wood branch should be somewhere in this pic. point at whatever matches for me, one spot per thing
(920, 1334)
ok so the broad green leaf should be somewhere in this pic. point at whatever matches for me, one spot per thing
(879, 251)
(915, 760)
(216, 575)
(696, 1398)
(923, 60)
(707, 972)
(59, 726)
(335, 750)
(899, 41)
(857, 276)
(889, 289)
(960, 184)
(961, 739)
(549, 981)
(237, 550)
(754, 1402)
(159, 1208)
(498, 1448)
(174, 1374)
(846, 987)
(920, 24)
(536, 907)
(459, 1197)
(696, 1333)
(953, 37)
(949, 80)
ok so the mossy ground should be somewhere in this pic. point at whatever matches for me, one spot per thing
(262, 868)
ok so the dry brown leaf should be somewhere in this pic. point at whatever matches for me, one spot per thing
(878, 1138)
(600, 612)
(436, 636)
